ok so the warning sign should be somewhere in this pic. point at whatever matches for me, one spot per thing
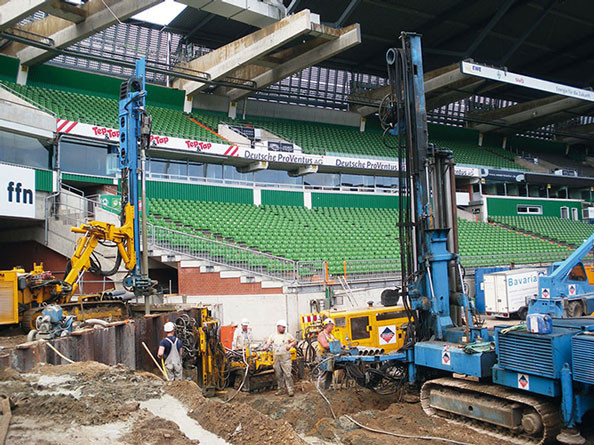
(524, 381)
(572, 290)
(446, 358)
(545, 292)
(387, 335)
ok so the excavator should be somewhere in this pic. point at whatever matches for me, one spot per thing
(531, 383)
(25, 295)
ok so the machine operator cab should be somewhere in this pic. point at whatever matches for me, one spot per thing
(375, 328)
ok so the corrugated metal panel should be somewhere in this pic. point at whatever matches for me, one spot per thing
(527, 353)
(193, 192)
(282, 198)
(87, 178)
(583, 358)
(351, 200)
(44, 180)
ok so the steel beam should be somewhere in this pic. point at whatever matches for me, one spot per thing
(487, 29)
(348, 11)
(528, 31)
(64, 34)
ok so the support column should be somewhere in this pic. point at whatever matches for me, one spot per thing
(362, 124)
(232, 112)
(257, 196)
(22, 75)
(188, 104)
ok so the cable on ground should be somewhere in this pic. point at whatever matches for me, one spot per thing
(406, 436)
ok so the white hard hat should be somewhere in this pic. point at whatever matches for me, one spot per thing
(169, 327)
(282, 323)
(245, 321)
(328, 321)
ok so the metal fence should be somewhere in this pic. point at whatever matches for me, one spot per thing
(538, 258)
(72, 208)
(360, 270)
(232, 256)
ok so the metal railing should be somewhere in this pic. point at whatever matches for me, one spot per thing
(268, 185)
(538, 258)
(72, 208)
(370, 269)
(232, 256)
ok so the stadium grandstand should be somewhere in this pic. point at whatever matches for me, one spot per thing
(269, 169)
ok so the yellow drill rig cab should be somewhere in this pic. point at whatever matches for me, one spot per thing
(20, 291)
(379, 328)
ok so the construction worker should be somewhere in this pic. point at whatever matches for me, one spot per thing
(170, 350)
(281, 343)
(324, 338)
(242, 336)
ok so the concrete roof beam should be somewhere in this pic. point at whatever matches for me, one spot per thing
(65, 33)
(442, 86)
(13, 11)
(65, 11)
(256, 50)
(528, 114)
(316, 51)
(251, 12)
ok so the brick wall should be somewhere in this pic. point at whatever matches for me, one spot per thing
(24, 254)
(192, 282)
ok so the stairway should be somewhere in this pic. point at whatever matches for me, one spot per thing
(533, 234)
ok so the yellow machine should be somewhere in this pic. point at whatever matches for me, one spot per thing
(217, 367)
(23, 295)
(259, 374)
(378, 328)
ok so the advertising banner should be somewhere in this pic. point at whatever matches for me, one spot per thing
(17, 193)
(274, 152)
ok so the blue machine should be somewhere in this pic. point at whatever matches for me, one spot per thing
(135, 128)
(533, 386)
(52, 323)
(567, 291)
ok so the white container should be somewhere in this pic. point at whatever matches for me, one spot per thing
(508, 292)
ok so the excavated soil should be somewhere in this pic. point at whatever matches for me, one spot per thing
(401, 413)
(86, 403)
(235, 422)
(91, 403)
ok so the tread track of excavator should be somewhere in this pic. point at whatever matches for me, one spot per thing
(549, 413)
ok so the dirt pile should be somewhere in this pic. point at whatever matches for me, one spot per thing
(151, 430)
(235, 422)
(311, 417)
(305, 410)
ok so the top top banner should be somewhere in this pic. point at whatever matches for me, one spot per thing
(499, 75)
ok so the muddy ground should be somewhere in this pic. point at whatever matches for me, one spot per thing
(91, 403)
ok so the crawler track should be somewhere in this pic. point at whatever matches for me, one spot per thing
(549, 413)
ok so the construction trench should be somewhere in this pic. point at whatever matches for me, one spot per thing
(113, 393)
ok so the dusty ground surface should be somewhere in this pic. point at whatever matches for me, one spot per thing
(11, 336)
(310, 416)
(91, 403)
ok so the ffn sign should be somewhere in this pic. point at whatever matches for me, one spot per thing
(17, 191)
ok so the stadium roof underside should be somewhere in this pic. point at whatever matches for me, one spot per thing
(65, 24)
(257, 43)
(544, 39)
